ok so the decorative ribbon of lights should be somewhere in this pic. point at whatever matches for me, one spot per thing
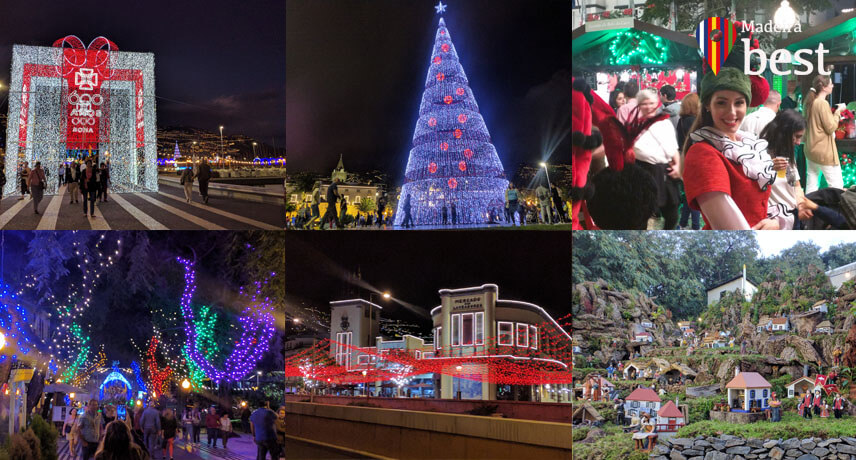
(257, 322)
(631, 44)
(138, 375)
(453, 164)
(205, 344)
(160, 378)
(113, 379)
(83, 377)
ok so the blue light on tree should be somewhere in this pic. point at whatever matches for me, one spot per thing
(452, 160)
(115, 378)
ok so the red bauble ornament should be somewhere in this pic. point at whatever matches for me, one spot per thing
(437, 60)
(462, 166)
(432, 122)
(458, 133)
(459, 91)
(462, 118)
(441, 76)
(444, 146)
(447, 99)
(468, 153)
(432, 167)
(442, 32)
(453, 183)
(445, 47)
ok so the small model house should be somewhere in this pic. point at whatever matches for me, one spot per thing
(642, 400)
(748, 390)
(764, 324)
(824, 327)
(738, 283)
(781, 324)
(643, 337)
(684, 325)
(820, 306)
(646, 324)
(670, 418)
(800, 386)
(689, 333)
(587, 415)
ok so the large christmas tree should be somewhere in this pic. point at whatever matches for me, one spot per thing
(452, 160)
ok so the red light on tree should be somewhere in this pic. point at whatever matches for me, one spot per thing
(445, 47)
(441, 76)
(462, 118)
(462, 166)
(447, 99)
(468, 153)
(459, 91)
(432, 167)
(437, 60)
(458, 133)
(432, 122)
(453, 183)
(444, 146)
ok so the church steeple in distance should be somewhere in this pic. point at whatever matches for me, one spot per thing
(339, 172)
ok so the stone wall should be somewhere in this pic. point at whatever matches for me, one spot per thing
(727, 447)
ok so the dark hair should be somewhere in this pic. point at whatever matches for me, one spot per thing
(669, 92)
(631, 88)
(817, 84)
(117, 441)
(779, 133)
(620, 86)
(613, 97)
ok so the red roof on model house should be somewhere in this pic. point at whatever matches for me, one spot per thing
(780, 320)
(643, 394)
(670, 410)
(748, 380)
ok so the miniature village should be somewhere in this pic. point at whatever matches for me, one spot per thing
(764, 371)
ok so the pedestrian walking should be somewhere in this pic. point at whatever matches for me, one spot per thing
(204, 175)
(104, 180)
(89, 187)
(821, 150)
(332, 196)
(245, 419)
(225, 429)
(71, 430)
(61, 175)
(37, 182)
(212, 426)
(454, 214)
(445, 215)
(408, 218)
(262, 423)
(557, 201)
(187, 181)
(543, 195)
(25, 173)
(150, 420)
(169, 425)
(280, 429)
(72, 174)
(119, 444)
(511, 203)
(90, 430)
(316, 214)
(187, 425)
(196, 421)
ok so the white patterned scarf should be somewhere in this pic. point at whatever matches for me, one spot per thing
(750, 153)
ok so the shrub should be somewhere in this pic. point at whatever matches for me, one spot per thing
(614, 446)
(578, 434)
(47, 435)
(24, 446)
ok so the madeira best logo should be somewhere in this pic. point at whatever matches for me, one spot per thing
(717, 48)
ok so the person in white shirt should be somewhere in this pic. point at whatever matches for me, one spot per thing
(757, 120)
(656, 151)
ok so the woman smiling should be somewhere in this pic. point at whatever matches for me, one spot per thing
(727, 173)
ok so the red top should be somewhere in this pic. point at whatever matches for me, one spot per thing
(643, 394)
(707, 170)
(670, 410)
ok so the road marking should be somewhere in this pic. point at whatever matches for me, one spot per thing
(184, 215)
(10, 213)
(237, 217)
(51, 213)
(142, 217)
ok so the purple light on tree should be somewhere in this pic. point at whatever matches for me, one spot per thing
(257, 325)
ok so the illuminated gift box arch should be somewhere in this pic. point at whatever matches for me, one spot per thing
(71, 100)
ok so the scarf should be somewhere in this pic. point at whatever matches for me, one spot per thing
(750, 153)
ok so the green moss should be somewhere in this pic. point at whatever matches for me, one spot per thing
(792, 425)
(616, 446)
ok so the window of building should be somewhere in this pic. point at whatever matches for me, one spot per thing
(522, 335)
(363, 360)
(480, 328)
(456, 330)
(428, 355)
(357, 199)
(418, 354)
(533, 337)
(293, 198)
(343, 350)
(722, 294)
(438, 344)
(506, 333)
(467, 329)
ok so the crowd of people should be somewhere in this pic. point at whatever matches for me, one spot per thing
(150, 432)
(549, 208)
(86, 178)
(711, 160)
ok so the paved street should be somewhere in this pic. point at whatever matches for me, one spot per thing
(240, 448)
(165, 210)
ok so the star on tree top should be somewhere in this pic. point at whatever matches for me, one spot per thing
(441, 8)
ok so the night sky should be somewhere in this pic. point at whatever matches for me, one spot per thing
(414, 266)
(222, 61)
(356, 72)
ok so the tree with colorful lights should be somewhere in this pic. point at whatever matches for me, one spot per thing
(453, 161)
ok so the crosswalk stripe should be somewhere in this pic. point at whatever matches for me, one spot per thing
(99, 222)
(220, 452)
(184, 215)
(142, 217)
(230, 215)
(10, 213)
(51, 213)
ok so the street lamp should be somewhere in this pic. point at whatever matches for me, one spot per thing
(386, 295)
(254, 149)
(296, 320)
(185, 384)
(221, 141)
(785, 17)
(458, 378)
(366, 384)
(3, 341)
(258, 376)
